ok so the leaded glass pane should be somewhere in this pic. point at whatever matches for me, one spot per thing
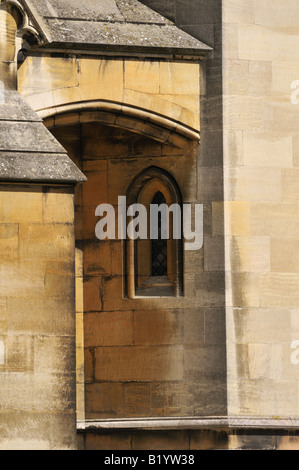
(159, 246)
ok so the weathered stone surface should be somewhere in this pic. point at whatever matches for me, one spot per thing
(260, 158)
(142, 339)
(157, 328)
(141, 363)
(27, 150)
(108, 441)
(208, 440)
(42, 432)
(104, 400)
(112, 10)
(137, 399)
(228, 437)
(109, 329)
(144, 357)
(287, 442)
(21, 130)
(125, 37)
(35, 167)
(164, 440)
(14, 108)
(121, 25)
(178, 346)
(148, 97)
(36, 320)
(253, 441)
(25, 137)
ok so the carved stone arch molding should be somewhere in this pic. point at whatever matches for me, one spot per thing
(124, 116)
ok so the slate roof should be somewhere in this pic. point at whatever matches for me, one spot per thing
(110, 25)
(28, 151)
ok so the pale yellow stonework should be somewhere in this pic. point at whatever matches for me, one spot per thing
(224, 131)
(163, 88)
(261, 52)
(36, 322)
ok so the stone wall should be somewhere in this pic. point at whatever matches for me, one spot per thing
(239, 318)
(260, 49)
(37, 325)
(189, 440)
(54, 85)
(143, 357)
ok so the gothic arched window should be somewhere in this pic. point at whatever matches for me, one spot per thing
(159, 245)
(154, 263)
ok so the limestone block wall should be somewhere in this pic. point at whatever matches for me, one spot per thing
(143, 357)
(37, 324)
(260, 62)
(166, 88)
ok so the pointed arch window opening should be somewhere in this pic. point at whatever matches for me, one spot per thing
(154, 267)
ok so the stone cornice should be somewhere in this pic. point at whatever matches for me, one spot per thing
(149, 34)
(183, 423)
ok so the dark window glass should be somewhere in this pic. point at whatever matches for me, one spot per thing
(159, 246)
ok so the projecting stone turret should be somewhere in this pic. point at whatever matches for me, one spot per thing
(37, 318)
(28, 151)
(8, 30)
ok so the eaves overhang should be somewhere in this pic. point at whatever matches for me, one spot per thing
(28, 151)
(113, 27)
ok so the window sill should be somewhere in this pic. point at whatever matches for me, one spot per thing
(156, 286)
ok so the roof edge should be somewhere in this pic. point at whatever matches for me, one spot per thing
(39, 168)
(48, 42)
(124, 50)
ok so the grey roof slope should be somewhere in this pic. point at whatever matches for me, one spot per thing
(110, 25)
(28, 151)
